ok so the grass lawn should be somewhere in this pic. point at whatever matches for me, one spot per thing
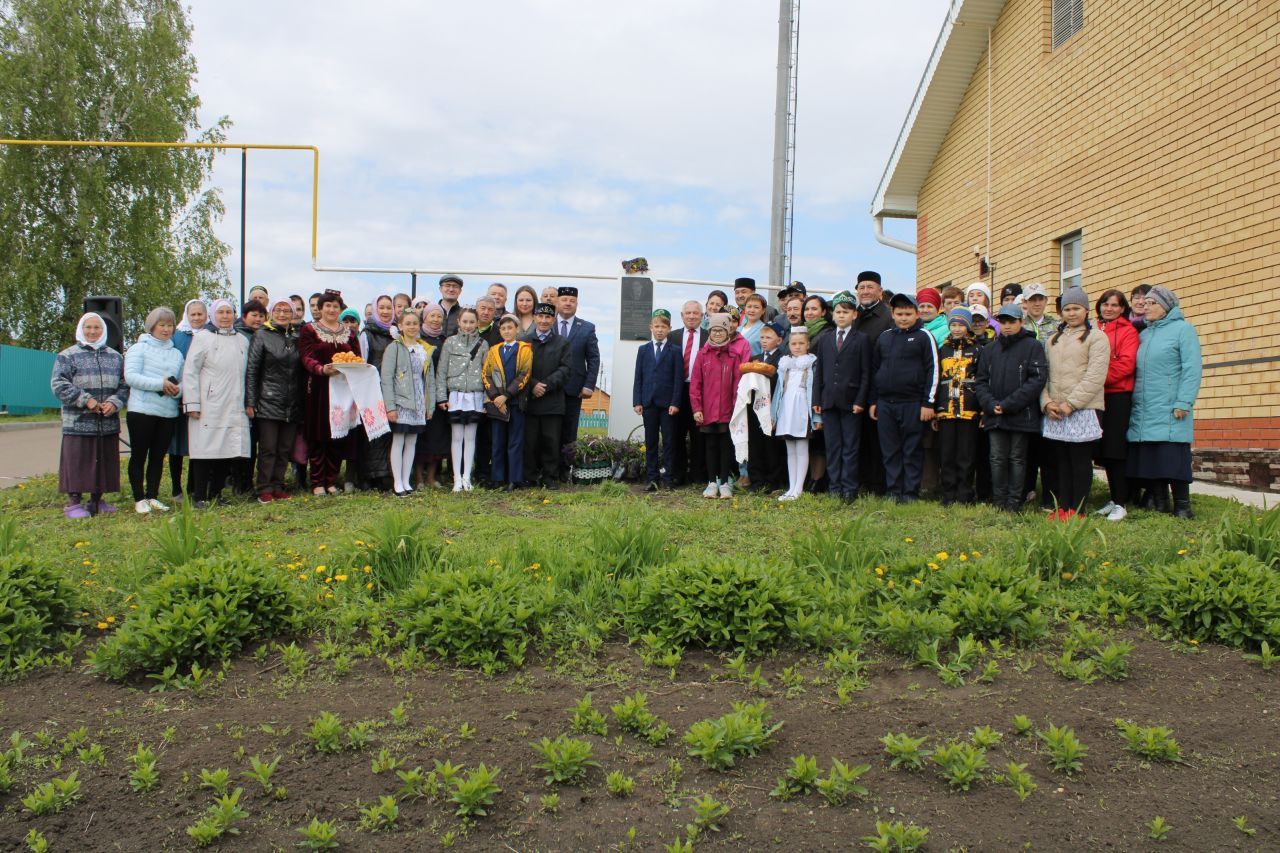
(450, 630)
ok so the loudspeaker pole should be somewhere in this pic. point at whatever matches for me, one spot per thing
(784, 143)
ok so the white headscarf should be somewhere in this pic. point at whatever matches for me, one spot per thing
(83, 341)
(213, 312)
(185, 324)
(977, 285)
(280, 300)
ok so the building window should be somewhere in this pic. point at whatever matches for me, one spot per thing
(1070, 249)
(1068, 19)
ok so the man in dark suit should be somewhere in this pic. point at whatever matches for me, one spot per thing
(544, 411)
(766, 460)
(690, 464)
(584, 367)
(655, 395)
(841, 382)
(874, 318)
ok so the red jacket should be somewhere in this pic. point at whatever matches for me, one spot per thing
(715, 380)
(1124, 355)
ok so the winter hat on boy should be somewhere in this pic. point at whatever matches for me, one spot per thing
(964, 315)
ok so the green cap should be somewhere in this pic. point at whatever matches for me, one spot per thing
(661, 313)
(843, 298)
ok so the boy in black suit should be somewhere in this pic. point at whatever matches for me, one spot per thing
(544, 410)
(655, 394)
(767, 456)
(841, 387)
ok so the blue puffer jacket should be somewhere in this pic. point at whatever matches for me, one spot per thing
(1168, 378)
(147, 364)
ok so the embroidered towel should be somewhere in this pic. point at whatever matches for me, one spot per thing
(355, 397)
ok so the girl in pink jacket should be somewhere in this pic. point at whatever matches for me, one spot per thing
(712, 390)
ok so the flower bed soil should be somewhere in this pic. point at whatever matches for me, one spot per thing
(1224, 712)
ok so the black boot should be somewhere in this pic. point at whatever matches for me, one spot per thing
(1182, 509)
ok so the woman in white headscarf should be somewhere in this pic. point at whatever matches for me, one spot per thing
(213, 386)
(88, 378)
(195, 316)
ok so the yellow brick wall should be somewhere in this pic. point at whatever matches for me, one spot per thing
(1155, 131)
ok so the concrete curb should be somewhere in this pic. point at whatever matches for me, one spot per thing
(21, 425)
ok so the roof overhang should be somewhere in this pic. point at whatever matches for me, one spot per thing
(956, 54)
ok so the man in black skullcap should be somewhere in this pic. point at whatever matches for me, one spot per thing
(742, 288)
(544, 411)
(584, 369)
(874, 318)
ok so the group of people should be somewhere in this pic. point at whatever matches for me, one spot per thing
(490, 395)
(870, 392)
(896, 393)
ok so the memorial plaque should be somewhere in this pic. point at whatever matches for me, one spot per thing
(637, 306)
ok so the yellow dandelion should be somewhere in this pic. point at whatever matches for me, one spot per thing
(359, 541)
(879, 571)
(302, 576)
(102, 626)
(133, 607)
(907, 539)
(942, 556)
(889, 585)
(367, 569)
(87, 563)
(964, 558)
(546, 501)
(1182, 552)
(319, 569)
(1194, 642)
(1106, 564)
(1066, 576)
(977, 553)
(321, 547)
(933, 566)
(369, 585)
(111, 618)
(79, 544)
(93, 571)
(917, 581)
(328, 595)
(328, 580)
(340, 578)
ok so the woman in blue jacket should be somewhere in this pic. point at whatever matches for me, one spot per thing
(152, 368)
(1165, 388)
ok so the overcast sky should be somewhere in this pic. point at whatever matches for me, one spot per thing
(555, 135)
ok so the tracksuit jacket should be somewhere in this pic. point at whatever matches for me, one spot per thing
(904, 366)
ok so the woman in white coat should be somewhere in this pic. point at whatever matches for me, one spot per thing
(213, 397)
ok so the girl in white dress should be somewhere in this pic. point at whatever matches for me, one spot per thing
(793, 415)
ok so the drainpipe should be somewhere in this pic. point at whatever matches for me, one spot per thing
(890, 241)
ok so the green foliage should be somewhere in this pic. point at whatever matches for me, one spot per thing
(1159, 830)
(205, 610)
(319, 835)
(896, 837)
(479, 617)
(1022, 725)
(37, 843)
(719, 604)
(216, 780)
(587, 720)
(53, 796)
(625, 542)
(841, 782)
(986, 737)
(37, 606)
(1241, 822)
(619, 783)
(397, 550)
(326, 732)
(742, 733)
(138, 223)
(1020, 780)
(708, 812)
(633, 715)
(799, 779)
(183, 537)
(549, 803)
(565, 759)
(853, 548)
(381, 816)
(905, 630)
(962, 764)
(905, 751)
(1066, 752)
(143, 777)
(1256, 533)
(474, 793)
(1264, 656)
(1228, 597)
(1152, 742)
(1055, 550)
(262, 772)
(993, 598)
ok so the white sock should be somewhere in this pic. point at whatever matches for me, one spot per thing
(397, 465)
(406, 462)
(797, 463)
(455, 455)
(469, 450)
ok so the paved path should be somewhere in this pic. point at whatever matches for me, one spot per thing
(29, 453)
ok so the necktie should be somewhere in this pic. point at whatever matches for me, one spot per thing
(840, 340)
(689, 335)
(564, 328)
(657, 350)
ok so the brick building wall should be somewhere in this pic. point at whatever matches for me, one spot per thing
(1152, 132)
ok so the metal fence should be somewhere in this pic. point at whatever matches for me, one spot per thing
(24, 380)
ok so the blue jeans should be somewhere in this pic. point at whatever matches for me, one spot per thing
(508, 448)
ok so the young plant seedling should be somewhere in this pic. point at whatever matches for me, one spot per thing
(565, 759)
(549, 803)
(53, 796)
(842, 782)
(319, 835)
(896, 836)
(1020, 780)
(742, 733)
(962, 764)
(587, 720)
(799, 779)
(474, 794)
(708, 812)
(1159, 829)
(1066, 752)
(905, 751)
(619, 783)
(1152, 742)
(1022, 725)
(219, 819)
(216, 780)
(380, 817)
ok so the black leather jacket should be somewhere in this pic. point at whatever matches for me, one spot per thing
(273, 378)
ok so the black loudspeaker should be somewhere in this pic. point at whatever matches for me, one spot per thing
(111, 310)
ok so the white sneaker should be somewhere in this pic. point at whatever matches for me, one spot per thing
(155, 504)
(1106, 510)
(726, 491)
(788, 497)
(457, 485)
(1117, 514)
(711, 490)
(142, 507)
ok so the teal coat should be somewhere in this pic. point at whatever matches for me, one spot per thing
(1168, 378)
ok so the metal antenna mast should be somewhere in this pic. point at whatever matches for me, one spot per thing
(784, 143)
